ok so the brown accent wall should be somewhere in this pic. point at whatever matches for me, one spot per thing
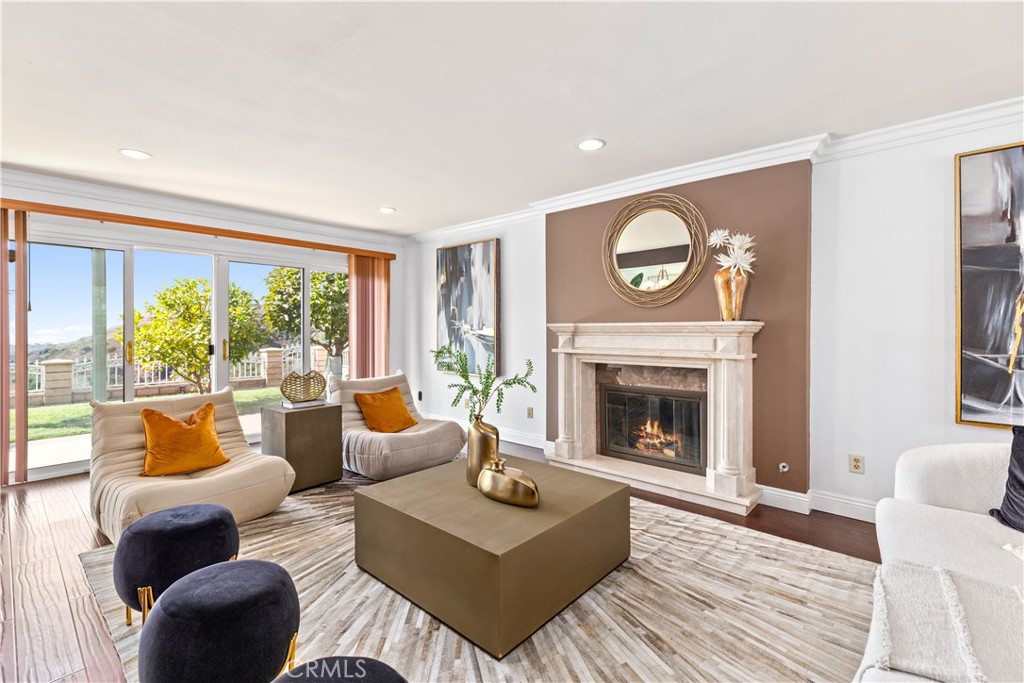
(774, 205)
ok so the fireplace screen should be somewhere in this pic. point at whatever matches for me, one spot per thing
(655, 426)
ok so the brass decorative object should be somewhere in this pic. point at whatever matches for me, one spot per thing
(482, 448)
(298, 388)
(731, 287)
(508, 485)
(665, 289)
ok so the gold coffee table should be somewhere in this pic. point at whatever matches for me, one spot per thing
(493, 572)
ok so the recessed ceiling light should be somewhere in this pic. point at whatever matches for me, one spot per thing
(591, 144)
(136, 154)
(387, 209)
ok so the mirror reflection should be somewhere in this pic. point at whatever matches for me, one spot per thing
(653, 250)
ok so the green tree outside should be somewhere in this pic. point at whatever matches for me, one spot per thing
(328, 306)
(174, 331)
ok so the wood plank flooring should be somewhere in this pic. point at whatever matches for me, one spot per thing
(50, 624)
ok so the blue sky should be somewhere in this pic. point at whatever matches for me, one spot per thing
(61, 286)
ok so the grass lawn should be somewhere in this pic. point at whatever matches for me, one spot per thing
(48, 422)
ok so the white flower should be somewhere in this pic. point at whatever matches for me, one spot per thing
(718, 238)
(737, 260)
(742, 242)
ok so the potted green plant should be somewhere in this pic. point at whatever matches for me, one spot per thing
(483, 437)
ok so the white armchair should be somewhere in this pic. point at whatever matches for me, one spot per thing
(939, 518)
(939, 515)
(384, 456)
(251, 485)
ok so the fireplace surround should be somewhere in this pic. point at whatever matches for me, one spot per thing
(722, 350)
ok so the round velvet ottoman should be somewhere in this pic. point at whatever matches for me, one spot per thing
(233, 621)
(338, 669)
(164, 546)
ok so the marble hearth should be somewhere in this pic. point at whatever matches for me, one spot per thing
(721, 352)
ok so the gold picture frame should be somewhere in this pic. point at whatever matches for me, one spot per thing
(989, 214)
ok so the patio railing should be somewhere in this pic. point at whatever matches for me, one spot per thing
(35, 376)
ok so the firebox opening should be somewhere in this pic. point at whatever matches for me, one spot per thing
(663, 427)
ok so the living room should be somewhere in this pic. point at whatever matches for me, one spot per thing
(750, 235)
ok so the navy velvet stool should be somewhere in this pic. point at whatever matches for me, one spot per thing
(233, 621)
(339, 669)
(164, 546)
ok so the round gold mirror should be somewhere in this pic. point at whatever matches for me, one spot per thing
(654, 248)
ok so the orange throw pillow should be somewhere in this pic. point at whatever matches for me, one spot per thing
(385, 412)
(176, 447)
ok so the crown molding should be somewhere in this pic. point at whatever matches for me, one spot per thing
(33, 186)
(1005, 112)
(803, 149)
(473, 226)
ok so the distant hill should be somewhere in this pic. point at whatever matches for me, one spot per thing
(72, 350)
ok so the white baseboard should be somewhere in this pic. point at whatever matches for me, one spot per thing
(845, 506)
(523, 438)
(785, 500)
(824, 501)
(512, 435)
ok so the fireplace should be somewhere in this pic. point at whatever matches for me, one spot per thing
(654, 426)
(715, 359)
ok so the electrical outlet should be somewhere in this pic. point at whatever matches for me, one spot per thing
(465, 403)
(783, 467)
(857, 464)
(529, 413)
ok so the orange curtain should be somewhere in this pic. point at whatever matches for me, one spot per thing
(369, 316)
(5, 350)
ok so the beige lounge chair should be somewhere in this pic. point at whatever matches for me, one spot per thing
(251, 485)
(384, 456)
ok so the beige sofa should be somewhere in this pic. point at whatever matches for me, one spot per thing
(939, 518)
(384, 456)
(251, 485)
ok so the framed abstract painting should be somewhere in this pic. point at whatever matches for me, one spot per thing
(990, 286)
(467, 301)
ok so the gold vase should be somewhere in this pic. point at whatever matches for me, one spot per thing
(731, 287)
(483, 448)
(508, 485)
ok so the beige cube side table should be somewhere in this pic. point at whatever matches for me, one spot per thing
(308, 438)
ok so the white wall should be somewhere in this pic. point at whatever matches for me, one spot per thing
(522, 323)
(883, 300)
(33, 187)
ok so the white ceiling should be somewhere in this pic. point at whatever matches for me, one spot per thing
(457, 112)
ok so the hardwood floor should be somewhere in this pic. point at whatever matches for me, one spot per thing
(831, 532)
(50, 624)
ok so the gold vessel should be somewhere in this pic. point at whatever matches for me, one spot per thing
(508, 485)
(731, 287)
(483, 448)
(297, 388)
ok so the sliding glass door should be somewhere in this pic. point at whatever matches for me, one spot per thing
(265, 332)
(172, 314)
(75, 348)
(95, 313)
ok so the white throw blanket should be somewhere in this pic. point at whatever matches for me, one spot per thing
(948, 626)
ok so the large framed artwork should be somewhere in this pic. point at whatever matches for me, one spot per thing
(467, 301)
(990, 286)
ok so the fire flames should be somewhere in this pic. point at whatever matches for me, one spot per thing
(653, 441)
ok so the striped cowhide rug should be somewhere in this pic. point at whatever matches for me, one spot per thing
(699, 599)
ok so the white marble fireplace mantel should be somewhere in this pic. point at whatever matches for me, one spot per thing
(723, 349)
